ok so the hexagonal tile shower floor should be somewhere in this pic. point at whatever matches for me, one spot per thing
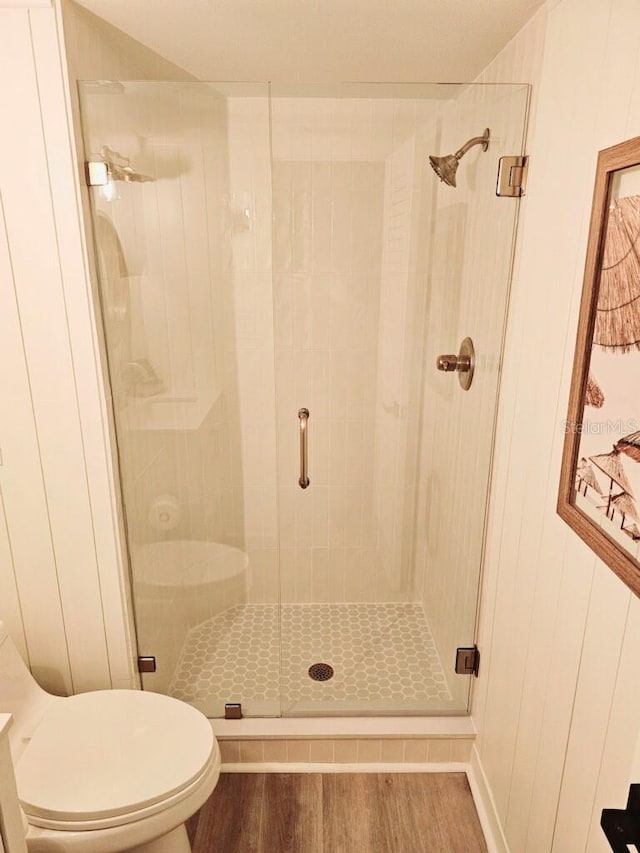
(383, 656)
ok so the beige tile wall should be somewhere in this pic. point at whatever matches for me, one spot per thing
(347, 751)
(344, 289)
(249, 353)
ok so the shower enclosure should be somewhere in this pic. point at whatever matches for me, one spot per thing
(279, 269)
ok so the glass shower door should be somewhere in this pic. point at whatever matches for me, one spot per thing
(264, 251)
(378, 268)
(181, 213)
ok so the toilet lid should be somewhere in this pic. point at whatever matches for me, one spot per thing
(109, 753)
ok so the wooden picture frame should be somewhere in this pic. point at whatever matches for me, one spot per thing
(599, 492)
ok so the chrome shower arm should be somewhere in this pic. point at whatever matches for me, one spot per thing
(477, 140)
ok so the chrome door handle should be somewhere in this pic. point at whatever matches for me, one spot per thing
(303, 479)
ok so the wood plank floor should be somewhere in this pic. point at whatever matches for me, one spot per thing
(338, 813)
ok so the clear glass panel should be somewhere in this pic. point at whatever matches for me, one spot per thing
(295, 250)
(185, 286)
(378, 268)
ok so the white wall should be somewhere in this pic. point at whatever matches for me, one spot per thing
(557, 703)
(56, 482)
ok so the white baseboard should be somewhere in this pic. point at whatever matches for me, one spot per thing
(485, 805)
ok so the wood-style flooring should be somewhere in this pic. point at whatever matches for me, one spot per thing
(338, 813)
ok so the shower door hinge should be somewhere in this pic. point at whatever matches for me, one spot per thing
(512, 176)
(96, 173)
(468, 661)
(146, 663)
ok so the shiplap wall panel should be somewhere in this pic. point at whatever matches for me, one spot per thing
(97, 546)
(28, 202)
(608, 606)
(24, 486)
(23, 494)
(534, 801)
(12, 364)
(531, 519)
(10, 607)
(558, 727)
(617, 755)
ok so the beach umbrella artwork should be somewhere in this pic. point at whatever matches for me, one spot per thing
(594, 396)
(617, 322)
(625, 505)
(630, 444)
(611, 465)
(586, 477)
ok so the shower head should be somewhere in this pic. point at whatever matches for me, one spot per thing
(445, 167)
(126, 173)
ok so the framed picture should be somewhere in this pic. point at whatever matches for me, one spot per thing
(599, 495)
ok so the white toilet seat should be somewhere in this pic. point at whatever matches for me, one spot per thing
(109, 758)
(134, 836)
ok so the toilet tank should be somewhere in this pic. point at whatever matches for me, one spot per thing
(20, 695)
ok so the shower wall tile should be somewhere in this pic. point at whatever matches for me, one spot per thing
(275, 751)
(439, 750)
(327, 232)
(251, 751)
(230, 751)
(283, 311)
(320, 451)
(392, 751)
(327, 576)
(250, 362)
(416, 751)
(347, 750)
(264, 575)
(296, 574)
(322, 751)
(298, 751)
(369, 751)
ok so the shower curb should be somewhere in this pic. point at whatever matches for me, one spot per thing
(344, 727)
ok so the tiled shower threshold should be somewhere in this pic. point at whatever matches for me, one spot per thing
(342, 745)
(345, 727)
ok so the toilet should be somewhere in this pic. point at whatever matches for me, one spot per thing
(105, 771)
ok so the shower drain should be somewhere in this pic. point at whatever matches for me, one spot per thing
(321, 671)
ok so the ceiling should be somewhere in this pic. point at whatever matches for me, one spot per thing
(307, 40)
